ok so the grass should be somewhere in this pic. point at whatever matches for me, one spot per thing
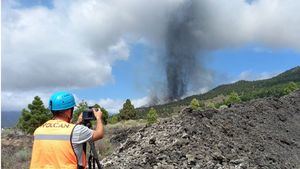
(15, 158)
(104, 147)
(127, 124)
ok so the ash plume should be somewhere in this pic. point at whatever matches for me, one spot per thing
(181, 51)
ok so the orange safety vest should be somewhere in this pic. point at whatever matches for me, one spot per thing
(52, 147)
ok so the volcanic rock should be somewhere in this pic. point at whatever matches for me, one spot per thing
(261, 134)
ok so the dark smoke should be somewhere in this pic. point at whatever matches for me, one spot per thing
(181, 51)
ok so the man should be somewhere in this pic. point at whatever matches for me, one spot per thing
(59, 143)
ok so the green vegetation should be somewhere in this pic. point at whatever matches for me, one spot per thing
(15, 157)
(34, 116)
(152, 116)
(79, 109)
(104, 147)
(128, 111)
(223, 107)
(211, 105)
(277, 86)
(82, 106)
(113, 119)
(248, 90)
(292, 86)
(23, 155)
(194, 104)
(219, 97)
(104, 113)
(233, 98)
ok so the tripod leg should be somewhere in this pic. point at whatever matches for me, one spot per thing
(90, 160)
(94, 160)
(95, 155)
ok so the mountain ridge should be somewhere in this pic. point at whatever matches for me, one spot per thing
(242, 87)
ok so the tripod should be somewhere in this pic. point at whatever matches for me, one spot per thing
(93, 155)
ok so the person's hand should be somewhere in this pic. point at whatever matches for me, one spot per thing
(97, 113)
(79, 120)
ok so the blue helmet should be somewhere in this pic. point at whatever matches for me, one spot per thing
(61, 101)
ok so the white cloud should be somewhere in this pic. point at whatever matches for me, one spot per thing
(141, 101)
(74, 44)
(40, 50)
(274, 23)
(250, 75)
(13, 101)
(111, 105)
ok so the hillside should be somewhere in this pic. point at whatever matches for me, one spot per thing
(247, 90)
(243, 87)
(263, 133)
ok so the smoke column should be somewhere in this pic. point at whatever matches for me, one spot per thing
(181, 50)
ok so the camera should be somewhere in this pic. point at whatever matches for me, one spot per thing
(88, 114)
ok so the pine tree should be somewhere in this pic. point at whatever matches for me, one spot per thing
(34, 116)
(128, 111)
(152, 116)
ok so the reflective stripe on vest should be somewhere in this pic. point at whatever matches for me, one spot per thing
(52, 147)
(51, 137)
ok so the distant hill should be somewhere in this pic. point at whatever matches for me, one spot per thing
(246, 89)
(242, 87)
(9, 118)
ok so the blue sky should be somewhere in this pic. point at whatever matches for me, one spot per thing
(107, 51)
(131, 77)
(255, 58)
(227, 63)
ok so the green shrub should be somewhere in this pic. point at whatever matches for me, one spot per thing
(196, 104)
(223, 107)
(113, 119)
(292, 86)
(152, 116)
(23, 155)
(233, 98)
(211, 105)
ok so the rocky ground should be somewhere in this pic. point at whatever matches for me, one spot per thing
(15, 149)
(261, 134)
(16, 146)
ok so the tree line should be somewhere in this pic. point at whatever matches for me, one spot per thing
(37, 114)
